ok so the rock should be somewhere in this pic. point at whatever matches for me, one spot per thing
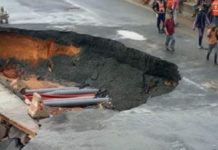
(3, 131)
(15, 133)
(94, 76)
(11, 144)
(37, 109)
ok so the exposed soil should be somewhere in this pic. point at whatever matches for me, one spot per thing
(122, 73)
(65, 58)
(31, 49)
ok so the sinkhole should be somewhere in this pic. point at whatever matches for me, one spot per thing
(47, 59)
(128, 75)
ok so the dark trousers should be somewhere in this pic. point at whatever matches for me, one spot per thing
(215, 20)
(160, 18)
(200, 35)
(211, 47)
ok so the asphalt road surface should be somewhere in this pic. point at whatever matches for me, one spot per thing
(185, 119)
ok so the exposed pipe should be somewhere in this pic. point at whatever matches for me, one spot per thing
(46, 90)
(72, 102)
(74, 91)
(48, 96)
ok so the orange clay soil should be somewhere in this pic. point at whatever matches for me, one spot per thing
(33, 83)
(27, 48)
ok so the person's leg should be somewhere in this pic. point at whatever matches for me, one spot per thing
(200, 36)
(211, 46)
(181, 6)
(194, 10)
(162, 20)
(173, 41)
(175, 15)
(158, 22)
(215, 20)
(167, 42)
(215, 55)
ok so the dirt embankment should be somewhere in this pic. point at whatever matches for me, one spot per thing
(129, 76)
(31, 49)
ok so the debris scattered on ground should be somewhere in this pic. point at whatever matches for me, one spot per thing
(15, 133)
(37, 109)
(170, 83)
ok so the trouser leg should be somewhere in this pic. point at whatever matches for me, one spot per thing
(209, 51)
(158, 22)
(215, 20)
(173, 41)
(162, 20)
(167, 40)
(201, 35)
(175, 15)
(215, 55)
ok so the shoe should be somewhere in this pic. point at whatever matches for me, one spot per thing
(167, 48)
(200, 47)
(206, 48)
(159, 31)
(172, 49)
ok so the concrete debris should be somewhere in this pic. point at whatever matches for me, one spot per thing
(17, 84)
(37, 109)
(15, 133)
(3, 131)
(170, 83)
(11, 144)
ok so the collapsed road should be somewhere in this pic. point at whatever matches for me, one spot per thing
(128, 75)
(185, 118)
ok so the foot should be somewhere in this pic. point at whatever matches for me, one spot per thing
(206, 48)
(167, 48)
(159, 31)
(200, 47)
(172, 49)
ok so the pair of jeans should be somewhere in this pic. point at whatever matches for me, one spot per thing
(200, 35)
(215, 20)
(170, 41)
(160, 18)
(175, 13)
(211, 47)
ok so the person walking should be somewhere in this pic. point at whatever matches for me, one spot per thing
(170, 31)
(200, 22)
(214, 12)
(212, 41)
(175, 9)
(159, 8)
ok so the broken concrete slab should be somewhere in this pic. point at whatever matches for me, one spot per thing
(14, 112)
